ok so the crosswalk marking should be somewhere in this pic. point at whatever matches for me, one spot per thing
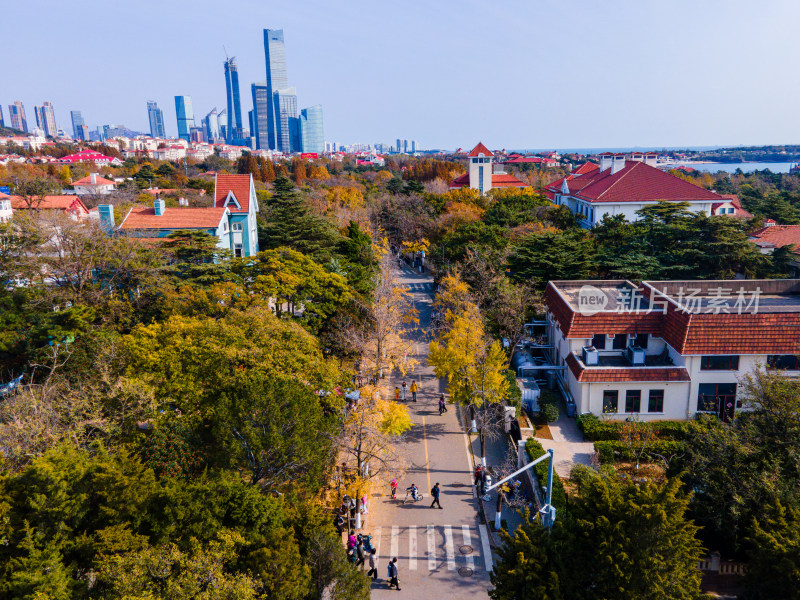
(468, 541)
(431, 548)
(448, 548)
(395, 543)
(376, 543)
(412, 548)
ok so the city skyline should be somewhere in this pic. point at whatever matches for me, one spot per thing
(677, 96)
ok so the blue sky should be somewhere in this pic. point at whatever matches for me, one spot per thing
(515, 74)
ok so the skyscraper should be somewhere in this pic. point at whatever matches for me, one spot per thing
(285, 114)
(2, 123)
(260, 126)
(234, 105)
(211, 125)
(156, 117)
(79, 129)
(275, 53)
(312, 138)
(222, 119)
(16, 112)
(185, 115)
(46, 119)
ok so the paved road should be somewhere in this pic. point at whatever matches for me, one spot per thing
(432, 545)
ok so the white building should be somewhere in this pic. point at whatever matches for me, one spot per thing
(6, 212)
(482, 174)
(93, 185)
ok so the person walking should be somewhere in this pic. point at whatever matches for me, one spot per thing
(414, 390)
(393, 485)
(393, 574)
(373, 567)
(396, 393)
(338, 522)
(442, 404)
(435, 493)
(403, 389)
(360, 554)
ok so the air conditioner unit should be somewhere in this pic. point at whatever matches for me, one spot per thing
(635, 355)
(590, 355)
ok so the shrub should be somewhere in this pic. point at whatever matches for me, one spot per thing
(596, 429)
(548, 405)
(550, 412)
(514, 393)
(613, 450)
(535, 450)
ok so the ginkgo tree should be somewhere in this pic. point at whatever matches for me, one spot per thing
(474, 366)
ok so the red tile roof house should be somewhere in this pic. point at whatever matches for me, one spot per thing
(623, 184)
(669, 349)
(92, 185)
(481, 175)
(71, 205)
(774, 236)
(232, 218)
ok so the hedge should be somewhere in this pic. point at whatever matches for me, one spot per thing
(548, 405)
(598, 430)
(613, 450)
(559, 498)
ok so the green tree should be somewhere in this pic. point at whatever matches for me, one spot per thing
(773, 569)
(553, 255)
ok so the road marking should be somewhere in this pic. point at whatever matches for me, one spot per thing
(449, 549)
(468, 541)
(412, 547)
(395, 541)
(425, 442)
(470, 468)
(431, 548)
(487, 550)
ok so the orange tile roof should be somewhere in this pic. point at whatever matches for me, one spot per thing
(479, 149)
(499, 180)
(142, 217)
(88, 181)
(68, 203)
(239, 185)
(624, 374)
(778, 236)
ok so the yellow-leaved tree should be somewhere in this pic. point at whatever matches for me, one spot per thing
(473, 364)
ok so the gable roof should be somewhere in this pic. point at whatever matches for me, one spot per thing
(777, 236)
(67, 203)
(635, 182)
(144, 217)
(479, 149)
(88, 181)
(732, 199)
(499, 180)
(238, 184)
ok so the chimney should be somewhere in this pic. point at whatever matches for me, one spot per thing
(605, 161)
(106, 212)
(617, 163)
(158, 206)
(94, 178)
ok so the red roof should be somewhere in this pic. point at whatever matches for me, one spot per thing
(238, 184)
(778, 236)
(142, 217)
(635, 182)
(88, 181)
(87, 156)
(479, 149)
(66, 203)
(733, 199)
(603, 374)
(585, 168)
(499, 180)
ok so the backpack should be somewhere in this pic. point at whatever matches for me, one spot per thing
(433, 491)
(389, 571)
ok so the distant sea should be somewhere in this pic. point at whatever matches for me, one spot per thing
(746, 167)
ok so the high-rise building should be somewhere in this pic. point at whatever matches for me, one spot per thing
(405, 146)
(275, 53)
(285, 110)
(197, 134)
(46, 119)
(79, 129)
(234, 123)
(398, 148)
(259, 128)
(413, 146)
(2, 123)
(156, 117)
(312, 138)
(211, 125)
(185, 116)
(16, 114)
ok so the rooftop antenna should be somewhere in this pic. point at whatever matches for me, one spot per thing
(225, 51)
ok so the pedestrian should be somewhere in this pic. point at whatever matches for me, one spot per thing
(360, 554)
(403, 389)
(414, 390)
(338, 522)
(396, 393)
(478, 475)
(373, 567)
(435, 494)
(352, 540)
(393, 484)
(393, 574)
(442, 404)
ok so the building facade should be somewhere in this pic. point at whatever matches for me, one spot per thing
(46, 119)
(312, 133)
(235, 127)
(79, 129)
(669, 349)
(481, 174)
(277, 79)
(211, 125)
(185, 115)
(156, 117)
(16, 116)
(286, 125)
(259, 127)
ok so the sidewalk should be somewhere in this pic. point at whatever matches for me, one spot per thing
(567, 444)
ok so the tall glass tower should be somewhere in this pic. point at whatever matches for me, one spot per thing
(261, 104)
(46, 119)
(156, 117)
(285, 114)
(185, 115)
(275, 53)
(16, 113)
(234, 130)
(211, 125)
(78, 126)
(312, 137)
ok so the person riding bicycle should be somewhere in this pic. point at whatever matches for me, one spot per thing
(413, 490)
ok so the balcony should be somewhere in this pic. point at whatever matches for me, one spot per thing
(616, 367)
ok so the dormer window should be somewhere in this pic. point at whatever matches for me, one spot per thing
(231, 199)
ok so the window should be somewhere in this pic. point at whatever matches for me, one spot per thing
(620, 341)
(715, 397)
(720, 363)
(224, 227)
(789, 362)
(633, 401)
(655, 403)
(610, 399)
(599, 341)
(641, 340)
(237, 250)
(730, 211)
(236, 226)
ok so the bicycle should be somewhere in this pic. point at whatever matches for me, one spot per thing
(408, 497)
